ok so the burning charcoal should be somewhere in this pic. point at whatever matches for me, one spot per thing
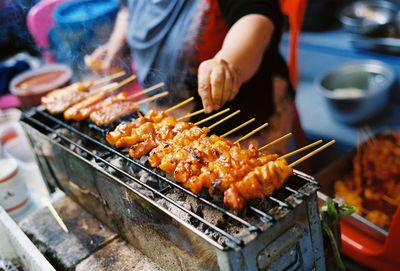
(212, 216)
(117, 161)
(143, 160)
(175, 210)
(140, 188)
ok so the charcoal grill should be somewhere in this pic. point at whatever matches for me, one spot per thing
(177, 229)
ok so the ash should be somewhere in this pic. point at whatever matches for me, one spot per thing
(204, 211)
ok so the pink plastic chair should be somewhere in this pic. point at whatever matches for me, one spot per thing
(40, 21)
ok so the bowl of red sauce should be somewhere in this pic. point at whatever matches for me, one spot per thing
(31, 85)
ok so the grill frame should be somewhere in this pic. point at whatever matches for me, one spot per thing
(61, 166)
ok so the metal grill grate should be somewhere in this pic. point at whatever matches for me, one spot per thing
(262, 216)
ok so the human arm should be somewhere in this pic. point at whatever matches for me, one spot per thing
(107, 52)
(238, 60)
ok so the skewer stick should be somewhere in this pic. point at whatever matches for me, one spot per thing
(113, 86)
(191, 115)
(108, 78)
(152, 98)
(146, 90)
(179, 105)
(212, 116)
(305, 157)
(251, 133)
(126, 81)
(301, 149)
(53, 211)
(224, 119)
(275, 141)
(389, 200)
(238, 127)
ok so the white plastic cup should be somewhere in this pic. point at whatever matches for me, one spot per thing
(14, 196)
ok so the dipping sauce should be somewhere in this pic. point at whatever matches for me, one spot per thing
(31, 85)
(37, 82)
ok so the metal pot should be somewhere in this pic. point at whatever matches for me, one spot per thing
(357, 91)
(368, 17)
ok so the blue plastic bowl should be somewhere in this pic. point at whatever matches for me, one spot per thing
(88, 13)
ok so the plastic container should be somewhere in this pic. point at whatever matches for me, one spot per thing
(14, 196)
(31, 85)
(20, 150)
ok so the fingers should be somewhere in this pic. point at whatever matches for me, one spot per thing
(105, 55)
(204, 87)
(228, 87)
(217, 86)
(99, 53)
(235, 83)
(218, 83)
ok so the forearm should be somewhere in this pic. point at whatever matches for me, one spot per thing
(118, 35)
(245, 44)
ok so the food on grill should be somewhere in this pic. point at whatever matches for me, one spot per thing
(181, 149)
(260, 183)
(374, 185)
(59, 100)
(82, 109)
(198, 161)
(154, 134)
(122, 108)
(107, 115)
(125, 129)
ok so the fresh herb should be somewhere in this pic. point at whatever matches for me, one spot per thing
(331, 214)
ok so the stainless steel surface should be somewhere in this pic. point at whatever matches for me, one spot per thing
(285, 234)
(327, 178)
(357, 91)
(368, 17)
(388, 45)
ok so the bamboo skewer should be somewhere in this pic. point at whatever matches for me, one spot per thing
(251, 133)
(108, 78)
(146, 90)
(191, 115)
(212, 116)
(224, 119)
(238, 127)
(179, 105)
(122, 83)
(301, 149)
(56, 216)
(305, 157)
(113, 86)
(389, 200)
(275, 141)
(162, 94)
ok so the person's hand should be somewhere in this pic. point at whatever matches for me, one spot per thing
(105, 56)
(218, 82)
